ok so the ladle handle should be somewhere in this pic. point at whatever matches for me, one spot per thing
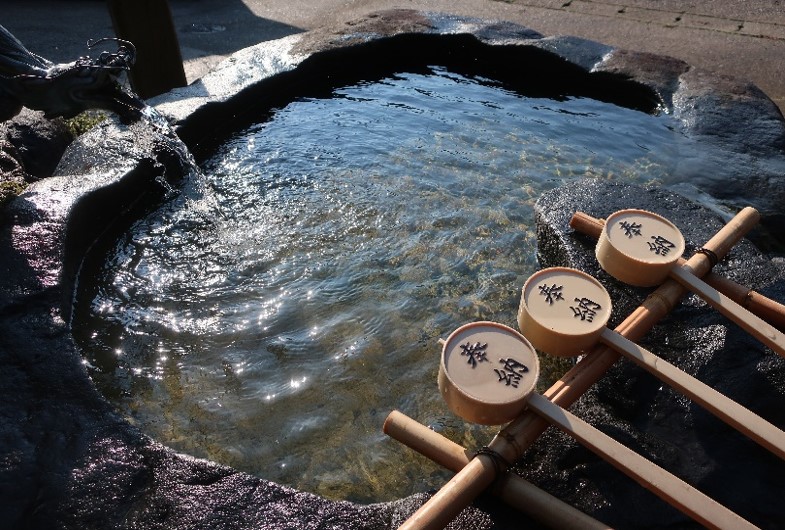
(668, 487)
(753, 325)
(735, 415)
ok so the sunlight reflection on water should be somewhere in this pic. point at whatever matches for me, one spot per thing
(275, 331)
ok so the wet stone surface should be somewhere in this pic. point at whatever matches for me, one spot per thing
(30, 149)
(69, 461)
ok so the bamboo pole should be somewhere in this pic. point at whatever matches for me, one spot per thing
(769, 310)
(511, 441)
(512, 489)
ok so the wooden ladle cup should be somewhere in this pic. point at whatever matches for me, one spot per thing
(487, 372)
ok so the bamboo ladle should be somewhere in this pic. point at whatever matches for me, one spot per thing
(769, 310)
(488, 373)
(642, 248)
(564, 312)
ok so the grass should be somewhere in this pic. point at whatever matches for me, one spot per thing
(10, 189)
(77, 126)
(85, 121)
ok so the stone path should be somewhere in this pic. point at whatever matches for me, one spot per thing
(740, 38)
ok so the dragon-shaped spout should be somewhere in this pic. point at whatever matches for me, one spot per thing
(29, 80)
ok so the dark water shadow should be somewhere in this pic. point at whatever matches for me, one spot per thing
(321, 73)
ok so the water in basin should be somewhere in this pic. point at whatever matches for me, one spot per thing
(272, 321)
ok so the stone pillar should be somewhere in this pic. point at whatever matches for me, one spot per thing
(148, 25)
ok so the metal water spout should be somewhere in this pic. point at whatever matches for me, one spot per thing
(29, 80)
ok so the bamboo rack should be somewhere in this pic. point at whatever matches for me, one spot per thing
(512, 489)
(479, 472)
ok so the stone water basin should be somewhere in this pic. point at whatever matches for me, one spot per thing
(339, 239)
(490, 84)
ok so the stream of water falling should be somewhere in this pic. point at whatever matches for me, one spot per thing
(270, 314)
